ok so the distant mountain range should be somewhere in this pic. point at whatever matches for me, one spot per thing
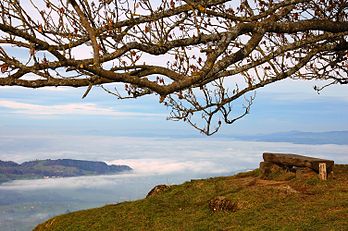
(10, 170)
(299, 137)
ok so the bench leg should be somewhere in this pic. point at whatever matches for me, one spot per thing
(322, 171)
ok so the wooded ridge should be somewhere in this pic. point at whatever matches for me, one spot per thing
(10, 170)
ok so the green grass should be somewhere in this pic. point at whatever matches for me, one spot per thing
(290, 204)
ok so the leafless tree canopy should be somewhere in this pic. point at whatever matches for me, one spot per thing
(197, 56)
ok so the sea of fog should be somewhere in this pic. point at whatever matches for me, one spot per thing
(26, 203)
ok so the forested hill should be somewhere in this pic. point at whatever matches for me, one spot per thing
(56, 168)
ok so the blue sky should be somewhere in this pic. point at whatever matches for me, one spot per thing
(284, 106)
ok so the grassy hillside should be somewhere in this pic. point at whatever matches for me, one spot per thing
(291, 204)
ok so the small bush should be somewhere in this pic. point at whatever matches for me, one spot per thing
(312, 181)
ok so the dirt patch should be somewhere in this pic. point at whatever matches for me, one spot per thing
(261, 182)
(222, 204)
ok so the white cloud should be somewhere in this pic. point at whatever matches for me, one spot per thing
(142, 168)
(68, 182)
(149, 157)
(167, 166)
(63, 109)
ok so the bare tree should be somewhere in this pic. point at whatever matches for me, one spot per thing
(198, 56)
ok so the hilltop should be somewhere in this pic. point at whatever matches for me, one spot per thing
(10, 170)
(246, 201)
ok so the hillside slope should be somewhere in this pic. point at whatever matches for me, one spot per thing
(258, 204)
(56, 168)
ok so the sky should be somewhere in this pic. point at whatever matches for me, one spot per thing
(284, 106)
(57, 123)
(27, 116)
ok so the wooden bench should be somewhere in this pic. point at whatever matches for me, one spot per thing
(321, 166)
